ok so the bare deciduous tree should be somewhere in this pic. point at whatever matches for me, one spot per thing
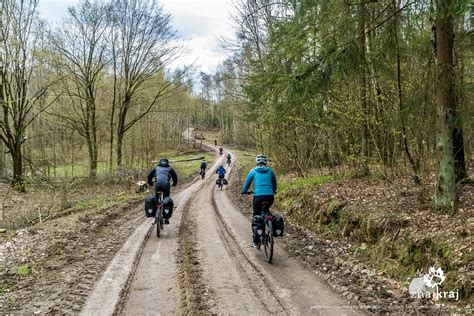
(144, 44)
(81, 45)
(20, 100)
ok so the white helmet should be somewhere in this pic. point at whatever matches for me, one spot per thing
(261, 159)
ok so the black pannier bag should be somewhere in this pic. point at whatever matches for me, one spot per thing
(225, 181)
(278, 226)
(150, 206)
(168, 206)
(257, 223)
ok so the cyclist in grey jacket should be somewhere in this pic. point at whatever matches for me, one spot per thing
(162, 173)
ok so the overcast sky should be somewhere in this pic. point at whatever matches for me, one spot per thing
(199, 23)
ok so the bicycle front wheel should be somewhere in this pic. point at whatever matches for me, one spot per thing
(268, 241)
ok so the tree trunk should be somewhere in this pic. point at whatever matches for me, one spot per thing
(111, 141)
(121, 127)
(73, 154)
(92, 159)
(458, 137)
(17, 158)
(363, 165)
(2, 159)
(415, 164)
(446, 191)
(119, 145)
(458, 146)
(112, 115)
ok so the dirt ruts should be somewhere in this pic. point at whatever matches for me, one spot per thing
(196, 296)
(256, 281)
(64, 256)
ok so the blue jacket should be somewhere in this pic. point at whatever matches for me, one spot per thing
(220, 171)
(264, 181)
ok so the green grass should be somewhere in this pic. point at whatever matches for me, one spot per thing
(102, 200)
(186, 169)
(246, 159)
(305, 182)
(81, 169)
(210, 136)
(23, 270)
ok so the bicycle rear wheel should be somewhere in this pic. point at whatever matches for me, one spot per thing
(268, 241)
(158, 221)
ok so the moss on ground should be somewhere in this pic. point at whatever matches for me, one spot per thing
(377, 232)
(23, 270)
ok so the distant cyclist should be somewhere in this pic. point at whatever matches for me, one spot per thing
(203, 169)
(221, 151)
(229, 159)
(264, 186)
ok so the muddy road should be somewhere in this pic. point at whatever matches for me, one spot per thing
(203, 263)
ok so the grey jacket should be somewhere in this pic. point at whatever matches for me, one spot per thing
(162, 173)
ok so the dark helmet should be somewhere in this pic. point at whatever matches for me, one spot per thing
(164, 162)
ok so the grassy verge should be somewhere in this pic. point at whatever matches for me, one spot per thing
(246, 160)
(188, 169)
(106, 200)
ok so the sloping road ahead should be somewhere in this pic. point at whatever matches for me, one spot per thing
(204, 264)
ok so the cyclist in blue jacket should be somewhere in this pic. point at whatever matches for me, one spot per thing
(264, 186)
(221, 172)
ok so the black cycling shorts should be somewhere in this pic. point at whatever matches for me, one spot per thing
(258, 205)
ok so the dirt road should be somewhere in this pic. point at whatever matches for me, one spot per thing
(203, 263)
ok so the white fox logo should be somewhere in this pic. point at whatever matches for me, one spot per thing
(434, 277)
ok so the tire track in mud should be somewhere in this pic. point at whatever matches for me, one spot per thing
(158, 282)
(121, 303)
(243, 263)
(193, 288)
(213, 278)
(119, 309)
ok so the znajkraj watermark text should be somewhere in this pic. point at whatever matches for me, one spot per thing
(428, 286)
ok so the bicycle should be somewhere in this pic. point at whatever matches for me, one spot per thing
(220, 183)
(229, 162)
(159, 213)
(265, 231)
(203, 174)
